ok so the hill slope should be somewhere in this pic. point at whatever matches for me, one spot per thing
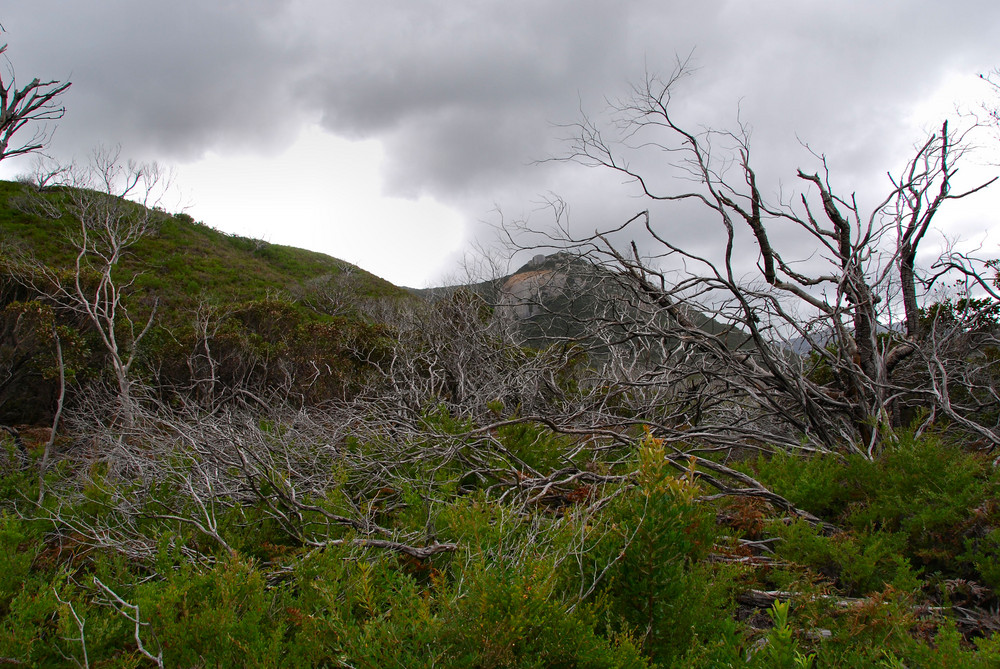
(566, 297)
(279, 318)
(183, 261)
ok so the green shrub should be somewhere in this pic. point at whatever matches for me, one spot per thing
(782, 649)
(19, 546)
(819, 484)
(535, 445)
(366, 612)
(983, 553)
(53, 622)
(223, 616)
(859, 563)
(938, 498)
(929, 492)
(514, 617)
(657, 589)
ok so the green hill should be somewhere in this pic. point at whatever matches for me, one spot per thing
(183, 261)
(281, 319)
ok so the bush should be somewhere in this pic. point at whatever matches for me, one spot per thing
(657, 590)
(19, 546)
(858, 563)
(514, 617)
(222, 616)
(931, 502)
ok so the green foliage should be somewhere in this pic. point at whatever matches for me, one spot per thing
(29, 626)
(18, 484)
(28, 356)
(819, 484)
(486, 608)
(513, 617)
(224, 613)
(860, 563)
(535, 445)
(983, 552)
(782, 649)
(922, 499)
(627, 585)
(19, 546)
(657, 589)
(975, 314)
(921, 515)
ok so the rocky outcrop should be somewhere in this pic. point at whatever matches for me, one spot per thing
(527, 293)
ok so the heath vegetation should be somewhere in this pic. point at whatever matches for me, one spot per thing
(222, 452)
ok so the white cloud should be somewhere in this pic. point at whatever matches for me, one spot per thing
(324, 193)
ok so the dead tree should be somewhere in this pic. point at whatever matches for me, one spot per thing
(32, 104)
(113, 207)
(797, 349)
(992, 109)
(458, 352)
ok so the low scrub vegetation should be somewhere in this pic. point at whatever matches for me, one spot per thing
(219, 452)
(158, 552)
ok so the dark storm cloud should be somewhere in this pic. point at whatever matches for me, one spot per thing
(464, 95)
(169, 79)
(460, 91)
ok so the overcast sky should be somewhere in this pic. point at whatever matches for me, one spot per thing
(390, 132)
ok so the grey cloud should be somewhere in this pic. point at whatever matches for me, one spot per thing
(168, 79)
(464, 95)
(416, 61)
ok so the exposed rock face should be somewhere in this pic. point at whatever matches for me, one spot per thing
(525, 293)
(551, 297)
(566, 297)
(533, 289)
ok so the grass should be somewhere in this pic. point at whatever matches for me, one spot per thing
(185, 262)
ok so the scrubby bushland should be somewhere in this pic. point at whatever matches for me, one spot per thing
(444, 496)
(139, 296)
(285, 463)
(825, 334)
(304, 539)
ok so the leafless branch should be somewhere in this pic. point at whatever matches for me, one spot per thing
(34, 103)
(131, 613)
(806, 351)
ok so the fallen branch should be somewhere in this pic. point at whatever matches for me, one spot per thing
(419, 552)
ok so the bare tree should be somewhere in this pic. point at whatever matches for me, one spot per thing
(47, 173)
(800, 348)
(992, 109)
(35, 103)
(114, 206)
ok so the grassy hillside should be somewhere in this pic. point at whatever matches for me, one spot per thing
(184, 261)
(276, 313)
